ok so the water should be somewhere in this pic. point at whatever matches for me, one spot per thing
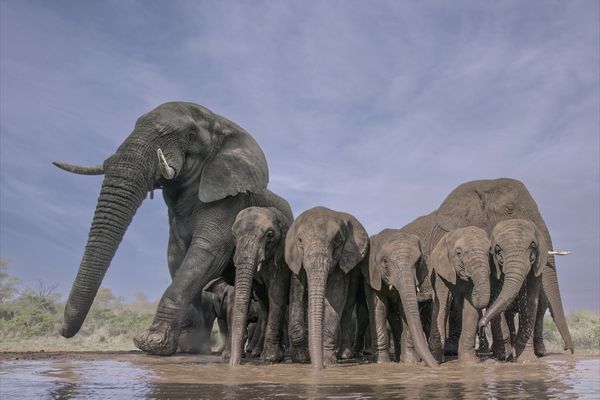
(126, 376)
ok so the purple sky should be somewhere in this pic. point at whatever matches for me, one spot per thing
(374, 108)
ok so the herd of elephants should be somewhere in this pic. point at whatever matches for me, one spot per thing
(317, 287)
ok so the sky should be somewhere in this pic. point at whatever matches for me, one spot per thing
(375, 108)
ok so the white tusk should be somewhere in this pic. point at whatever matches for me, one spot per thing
(166, 170)
(258, 268)
(391, 287)
(559, 252)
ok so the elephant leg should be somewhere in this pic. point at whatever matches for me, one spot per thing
(223, 334)
(538, 334)
(454, 326)
(227, 316)
(195, 336)
(378, 324)
(395, 323)
(210, 250)
(528, 305)
(510, 321)
(278, 297)
(484, 345)
(298, 325)
(336, 293)
(470, 321)
(439, 314)
(349, 320)
(263, 304)
(501, 343)
(361, 342)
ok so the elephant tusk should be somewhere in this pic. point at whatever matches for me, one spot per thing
(391, 287)
(559, 252)
(259, 265)
(80, 169)
(165, 169)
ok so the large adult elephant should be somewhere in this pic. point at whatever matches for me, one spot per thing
(209, 169)
(484, 203)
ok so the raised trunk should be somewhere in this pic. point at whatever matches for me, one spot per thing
(317, 279)
(552, 291)
(514, 276)
(408, 295)
(122, 193)
(480, 295)
(244, 275)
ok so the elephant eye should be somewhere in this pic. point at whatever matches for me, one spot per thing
(270, 234)
(498, 252)
(300, 244)
(459, 252)
(510, 208)
(532, 253)
(337, 241)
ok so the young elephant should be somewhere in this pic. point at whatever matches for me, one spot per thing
(328, 244)
(259, 234)
(396, 272)
(464, 254)
(520, 254)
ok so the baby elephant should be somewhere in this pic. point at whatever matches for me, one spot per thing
(259, 234)
(328, 245)
(396, 272)
(462, 272)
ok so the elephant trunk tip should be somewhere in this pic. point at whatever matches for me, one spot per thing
(68, 330)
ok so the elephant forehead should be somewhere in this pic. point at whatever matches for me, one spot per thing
(393, 240)
(513, 227)
(469, 237)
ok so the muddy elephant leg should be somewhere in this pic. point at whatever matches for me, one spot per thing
(378, 311)
(454, 326)
(501, 343)
(210, 250)
(528, 306)
(335, 298)
(439, 314)
(349, 318)
(538, 334)
(298, 324)
(470, 322)
(278, 298)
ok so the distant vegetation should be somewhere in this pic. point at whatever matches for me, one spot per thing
(31, 318)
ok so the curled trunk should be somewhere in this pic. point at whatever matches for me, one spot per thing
(121, 194)
(410, 306)
(244, 275)
(514, 277)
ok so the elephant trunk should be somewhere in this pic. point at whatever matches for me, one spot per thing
(408, 296)
(480, 296)
(515, 272)
(319, 267)
(123, 191)
(552, 291)
(246, 262)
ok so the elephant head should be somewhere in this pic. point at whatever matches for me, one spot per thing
(464, 253)
(319, 240)
(396, 261)
(177, 146)
(484, 203)
(259, 234)
(518, 247)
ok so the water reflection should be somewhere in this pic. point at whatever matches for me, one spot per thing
(182, 377)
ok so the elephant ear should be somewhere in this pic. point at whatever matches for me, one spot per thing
(356, 244)
(463, 207)
(237, 164)
(440, 260)
(293, 254)
(542, 251)
(284, 226)
(370, 268)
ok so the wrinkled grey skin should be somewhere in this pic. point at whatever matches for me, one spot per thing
(484, 203)
(395, 271)
(209, 169)
(462, 270)
(326, 246)
(259, 234)
(519, 254)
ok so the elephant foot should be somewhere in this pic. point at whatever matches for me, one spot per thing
(438, 354)
(383, 357)
(300, 355)
(272, 354)
(408, 357)
(539, 348)
(503, 353)
(329, 357)
(160, 339)
(527, 356)
(226, 354)
(451, 349)
(256, 352)
(347, 355)
(192, 342)
(468, 357)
